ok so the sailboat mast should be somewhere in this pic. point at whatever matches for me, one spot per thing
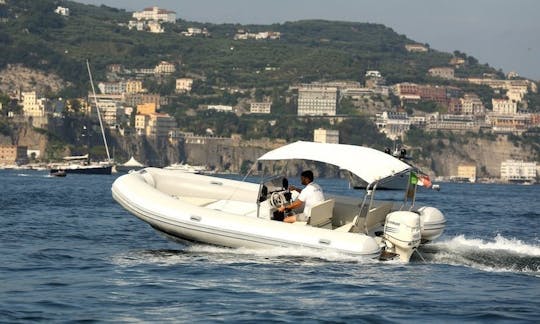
(98, 112)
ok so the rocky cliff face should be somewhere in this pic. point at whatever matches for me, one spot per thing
(16, 76)
(486, 154)
(442, 159)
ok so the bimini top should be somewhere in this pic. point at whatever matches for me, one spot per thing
(368, 164)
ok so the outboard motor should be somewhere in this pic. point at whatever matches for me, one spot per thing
(432, 223)
(402, 233)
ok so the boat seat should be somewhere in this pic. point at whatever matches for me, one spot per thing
(377, 216)
(321, 214)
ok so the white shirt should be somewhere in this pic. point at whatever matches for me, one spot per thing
(311, 195)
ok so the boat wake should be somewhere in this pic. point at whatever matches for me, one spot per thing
(222, 255)
(498, 255)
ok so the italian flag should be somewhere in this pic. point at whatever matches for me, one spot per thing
(420, 180)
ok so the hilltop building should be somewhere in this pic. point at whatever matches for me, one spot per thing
(416, 48)
(156, 14)
(62, 11)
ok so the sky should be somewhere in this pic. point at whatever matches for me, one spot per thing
(502, 33)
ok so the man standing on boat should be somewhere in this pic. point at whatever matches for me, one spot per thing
(311, 195)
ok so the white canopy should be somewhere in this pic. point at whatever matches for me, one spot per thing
(368, 164)
(132, 163)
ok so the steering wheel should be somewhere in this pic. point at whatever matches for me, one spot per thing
(277, 199)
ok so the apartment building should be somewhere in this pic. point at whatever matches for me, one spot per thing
(467, 171)
(518, 171)
(134, 86)
(164, 67)
(393, 124)
(317, 100)
(146, 108)
(12, 154)
(260, 107)
(472, 105)
(184, 85)
(32, 105)
(154, 125)
(504, 106)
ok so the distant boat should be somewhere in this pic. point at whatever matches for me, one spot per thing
(184, 167)
(131, 164)
(82, 164)
(59, 173)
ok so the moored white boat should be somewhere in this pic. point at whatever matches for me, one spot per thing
(234, 213)
(184, 167)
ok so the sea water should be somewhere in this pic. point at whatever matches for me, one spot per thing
(68, 252)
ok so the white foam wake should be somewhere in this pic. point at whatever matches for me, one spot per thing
(498, 255)
(499, 243)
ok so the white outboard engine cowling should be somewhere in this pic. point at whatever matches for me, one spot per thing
(402, 233)
(432, 223)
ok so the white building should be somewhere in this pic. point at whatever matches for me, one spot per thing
(220, 108)
(393, 124)
(111, 112)
(321, 135)
(518, 171)
(504, 106)
(164, 67)
(112, 87)
(157, 14)
(260, 107)
(184, 84)
(442, 72)
(62, 11)
(317, 100)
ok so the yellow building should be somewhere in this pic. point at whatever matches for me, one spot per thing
(146, 108)
(134, 86)
(467, 171)
(11, 154)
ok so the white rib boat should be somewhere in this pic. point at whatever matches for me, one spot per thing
(235, 214)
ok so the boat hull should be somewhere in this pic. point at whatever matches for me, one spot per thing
(136, 193)
(107, 170)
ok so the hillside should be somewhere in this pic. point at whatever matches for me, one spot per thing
(46, 52)
(308, 50)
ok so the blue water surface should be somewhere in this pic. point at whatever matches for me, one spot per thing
(68, 252)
